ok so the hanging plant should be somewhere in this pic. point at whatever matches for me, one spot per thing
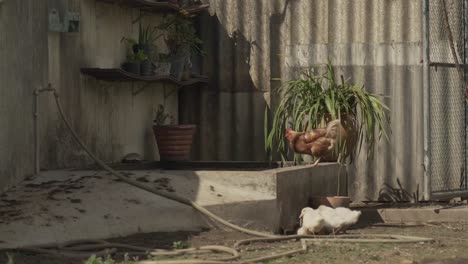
(314, 99)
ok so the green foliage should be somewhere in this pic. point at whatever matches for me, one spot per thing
(108, 260)
(163, 57)
(180, 245)
(147, 35)
(316, 98)
(139, 50)
(181, 35)
(162, 117)
(138, 57)
(130, 42)
(98, 260)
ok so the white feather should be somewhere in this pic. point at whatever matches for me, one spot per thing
(312, 221)
(338, 219)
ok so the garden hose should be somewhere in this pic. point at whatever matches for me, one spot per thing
(86, 248)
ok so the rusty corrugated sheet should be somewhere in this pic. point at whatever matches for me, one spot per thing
(250, 42)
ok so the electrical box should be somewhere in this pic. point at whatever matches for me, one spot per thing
(70, 23)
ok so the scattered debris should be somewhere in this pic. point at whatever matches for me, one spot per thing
(132, 158)
(142, 179)
(133, 201)
(80, 210)
(74, 200)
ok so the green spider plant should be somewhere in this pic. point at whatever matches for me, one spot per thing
(314, 99)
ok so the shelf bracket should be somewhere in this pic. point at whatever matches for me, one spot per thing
(166, 95)
(134, 93)
(105, 85)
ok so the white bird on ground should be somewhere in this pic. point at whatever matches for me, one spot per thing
(350, 217)
(338, 219)
(311, 222)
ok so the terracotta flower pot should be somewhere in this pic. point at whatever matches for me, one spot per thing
(331, 201)
(174, 141)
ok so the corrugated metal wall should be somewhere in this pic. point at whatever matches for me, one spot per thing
(249, 43)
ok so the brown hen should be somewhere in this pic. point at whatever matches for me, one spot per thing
(318, 142)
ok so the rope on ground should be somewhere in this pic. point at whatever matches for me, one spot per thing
(85, 248)
(167, 195)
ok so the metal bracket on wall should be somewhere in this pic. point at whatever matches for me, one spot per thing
(134, 93)
(166, 94)
(105, 85)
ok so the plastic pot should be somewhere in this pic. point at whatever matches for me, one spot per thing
(177, 66)
(131, 67)
(162, 68)
(146, 68)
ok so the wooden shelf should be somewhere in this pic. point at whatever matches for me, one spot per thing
(158, 6)
(119, 75)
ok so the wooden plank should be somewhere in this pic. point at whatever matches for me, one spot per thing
(116, 74)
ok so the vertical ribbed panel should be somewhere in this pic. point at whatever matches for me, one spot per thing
(250, 42)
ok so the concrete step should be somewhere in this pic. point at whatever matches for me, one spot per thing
(59, 206)
(422, 214)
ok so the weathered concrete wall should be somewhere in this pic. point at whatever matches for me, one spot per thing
(297, 185)
(23, 67)
(110, 119)
(251, 44)
(107, 116)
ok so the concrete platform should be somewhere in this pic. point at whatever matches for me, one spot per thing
(58, 206)
(415, 214)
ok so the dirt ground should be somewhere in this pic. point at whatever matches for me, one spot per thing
(450, 246)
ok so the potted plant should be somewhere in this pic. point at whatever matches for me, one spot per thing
(162, 65)
(182, 41)
(315, 99)
(144, 47)
(174, 141)
(146, 38)
(134, 60)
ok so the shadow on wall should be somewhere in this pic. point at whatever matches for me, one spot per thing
(227, 109)
(389, 193)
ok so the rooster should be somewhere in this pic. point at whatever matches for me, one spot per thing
(318, 142)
